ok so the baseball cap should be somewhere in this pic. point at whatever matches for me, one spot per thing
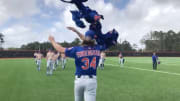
(90, 34)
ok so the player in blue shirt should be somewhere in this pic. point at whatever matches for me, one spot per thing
(86, 60)
(155, 60)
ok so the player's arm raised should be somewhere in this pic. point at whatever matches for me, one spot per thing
(57, 46)
(77, 32)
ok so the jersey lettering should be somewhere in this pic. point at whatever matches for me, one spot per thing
(86, 63)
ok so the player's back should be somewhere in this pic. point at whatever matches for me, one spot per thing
(86, 59)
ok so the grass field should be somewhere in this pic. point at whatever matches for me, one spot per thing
(136, 81)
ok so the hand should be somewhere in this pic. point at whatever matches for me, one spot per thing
(72, 29)
(51, 38)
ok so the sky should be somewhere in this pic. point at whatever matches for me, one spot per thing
(25, 21)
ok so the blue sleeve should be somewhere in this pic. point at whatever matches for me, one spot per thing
(70, 52)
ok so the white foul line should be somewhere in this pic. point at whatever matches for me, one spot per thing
(147, 70)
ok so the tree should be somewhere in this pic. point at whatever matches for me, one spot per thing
(46, 45)
(162, 41)
(76, 42)
(31, 46)
(135, 46)
(124, 46)
(37, 46)
(1, 40)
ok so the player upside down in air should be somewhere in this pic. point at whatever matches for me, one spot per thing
(86, 60)
(93, 18)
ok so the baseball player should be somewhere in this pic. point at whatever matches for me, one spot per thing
(102, 60)
(155, 61)
(83, 12)
(55, 60)
(49, 58)
(58, 61)
(63, 60)
(38, 58)
(35, 57)
(93, 18)
(86, 59)
(121, 59)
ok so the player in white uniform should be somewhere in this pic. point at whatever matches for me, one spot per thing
(121, 59)
(38, 58)
(58, 59)
(102, 60)
(35, 57)
(49, 58)
(55, 60)
(63, 60)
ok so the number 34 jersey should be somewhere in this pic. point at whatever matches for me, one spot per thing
(86, 58)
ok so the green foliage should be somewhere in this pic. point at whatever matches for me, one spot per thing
(1, 40)
(76, 42)
(162, 41)
(47, 45)
(124, 46)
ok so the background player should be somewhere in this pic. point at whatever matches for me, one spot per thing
(55, 60)
(38, 56)
(121, 59)
(102, 60)
(35, 57)
(155, 60)
(63, 60)
(49, 58)
(58, 61)
(86, 60)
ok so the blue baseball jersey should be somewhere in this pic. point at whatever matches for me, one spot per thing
(86, 58)
(154, 58)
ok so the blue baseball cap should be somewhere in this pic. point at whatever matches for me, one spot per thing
(90, 34)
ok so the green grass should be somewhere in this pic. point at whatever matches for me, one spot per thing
(20, 81)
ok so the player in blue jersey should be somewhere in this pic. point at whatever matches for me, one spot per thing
(84, 12)
(155, 60)
(93, 18)
(86, 60)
